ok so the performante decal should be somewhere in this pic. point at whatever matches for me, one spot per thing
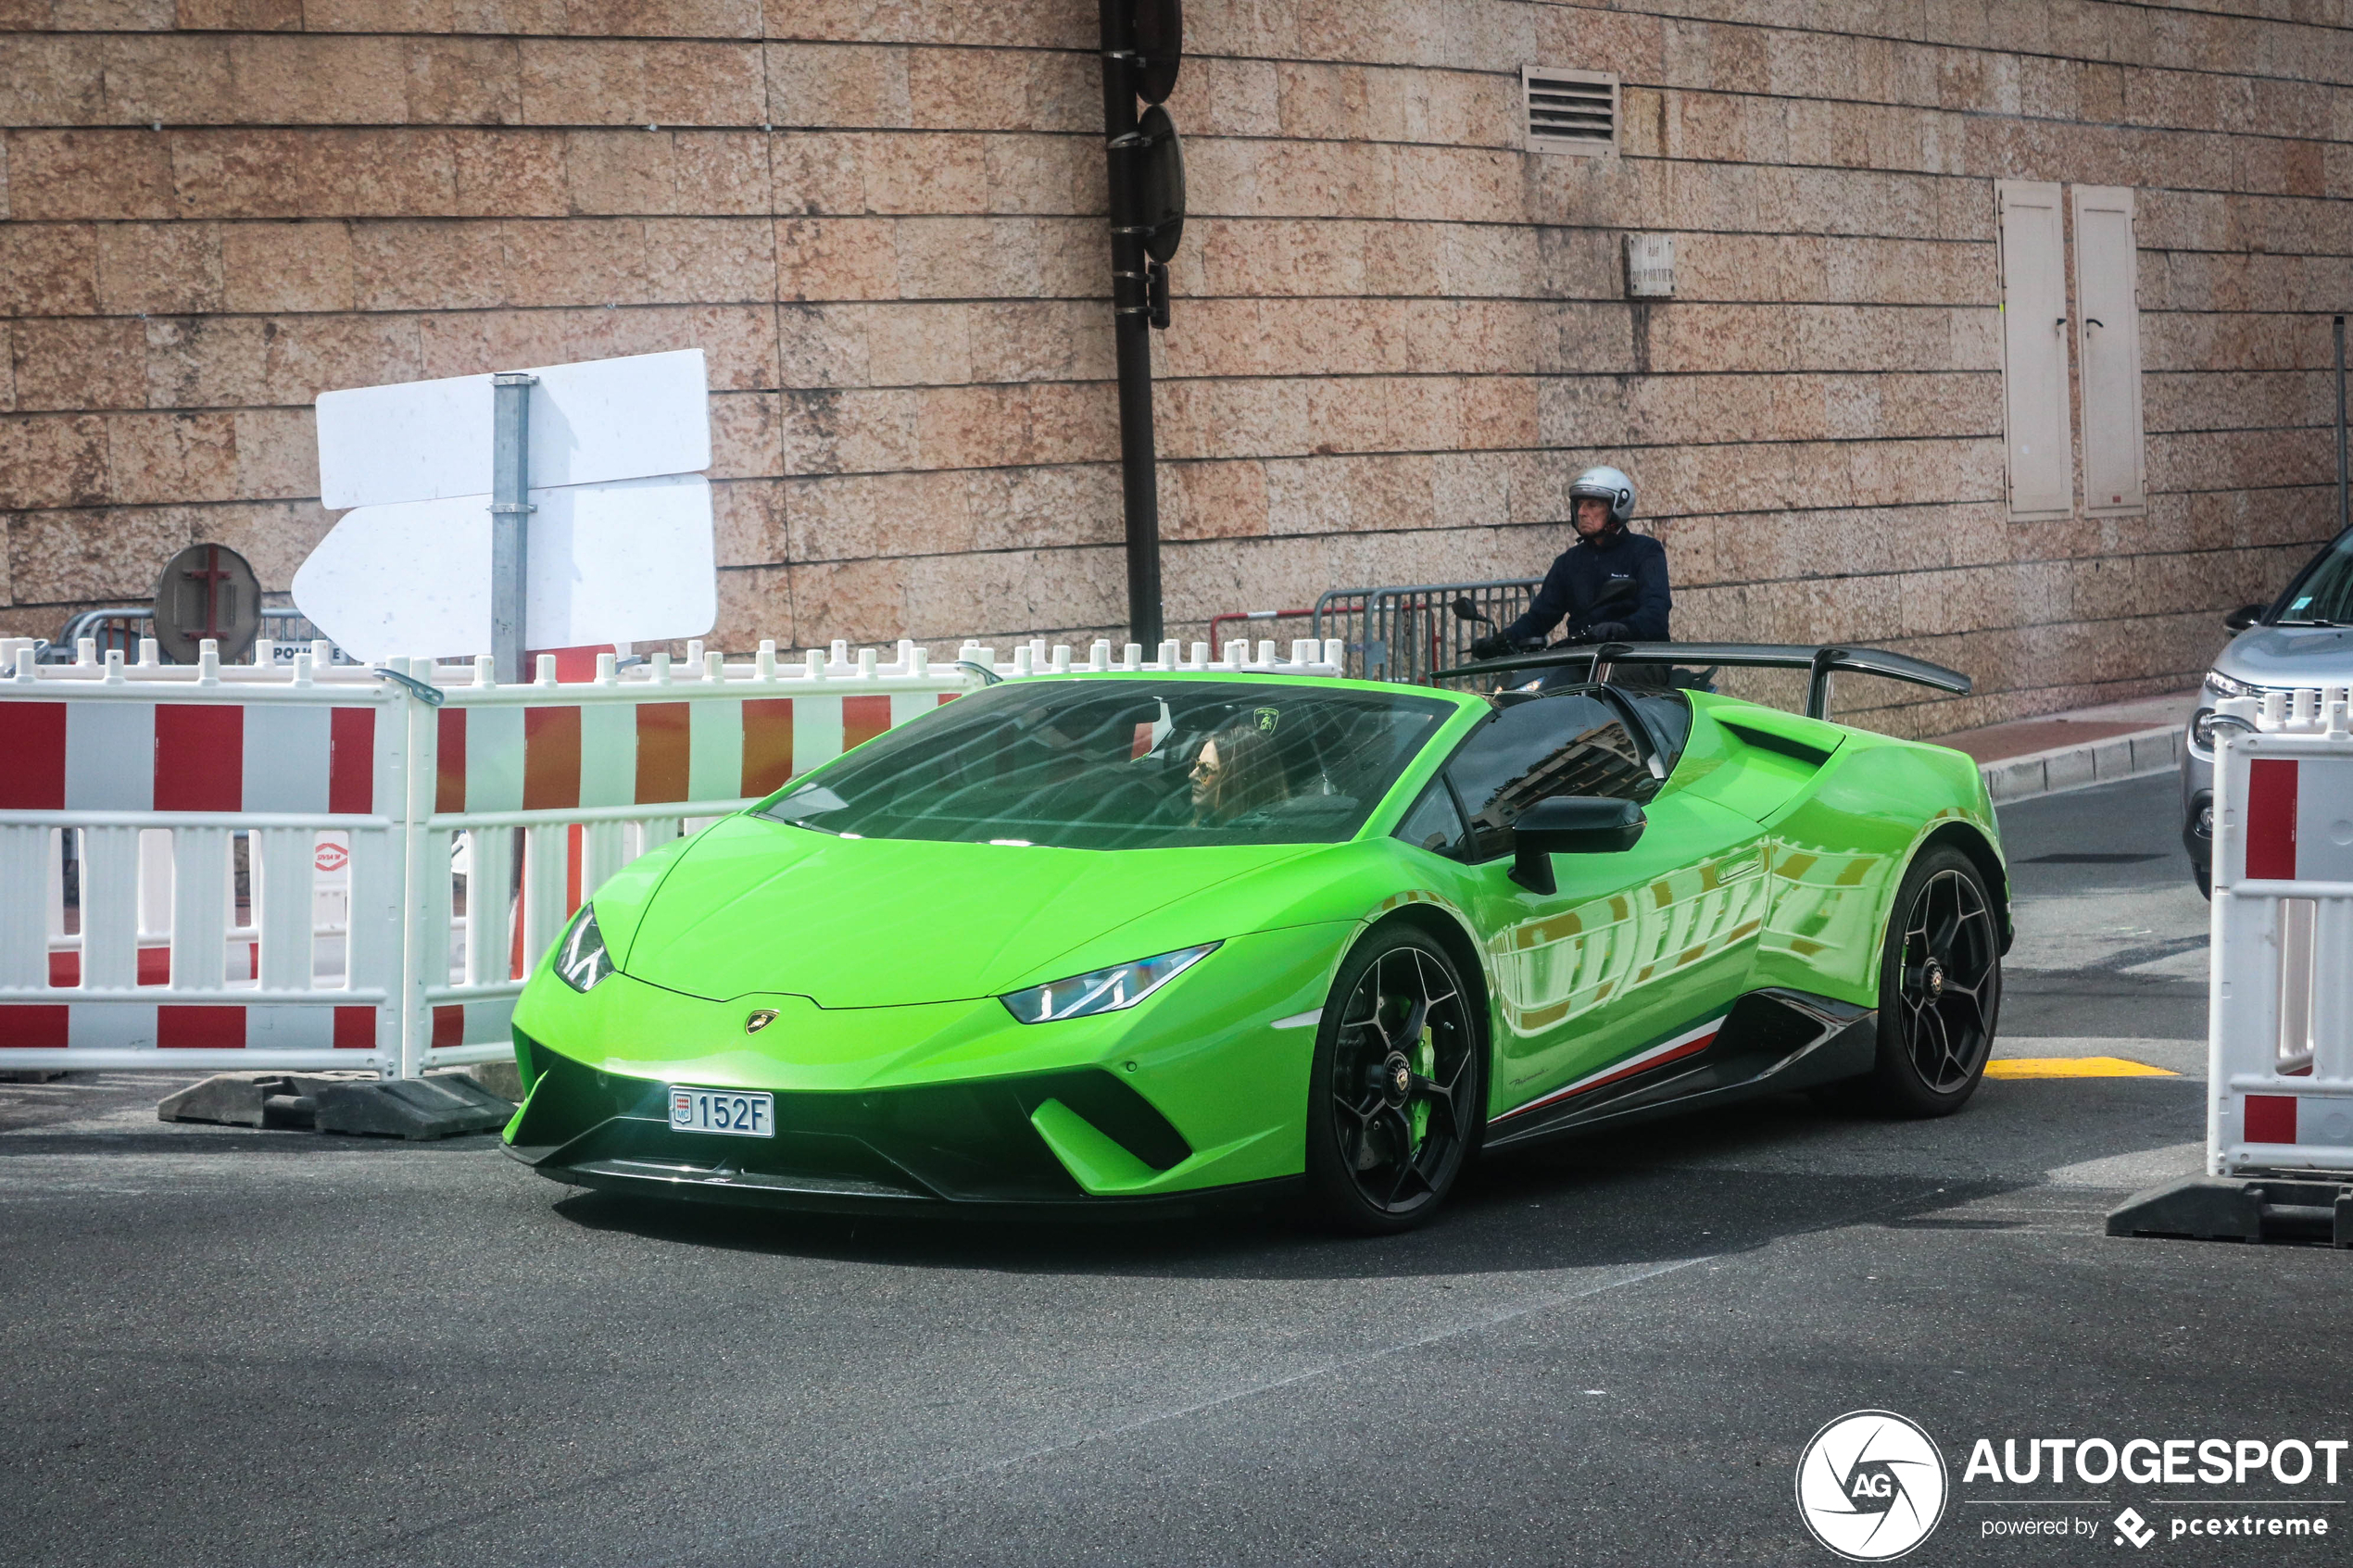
(1688, 1043)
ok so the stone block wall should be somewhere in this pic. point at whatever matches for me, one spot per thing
(1397, 334)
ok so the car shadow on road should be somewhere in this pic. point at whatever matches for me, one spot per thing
(1697, 1185)
(1561, 1221)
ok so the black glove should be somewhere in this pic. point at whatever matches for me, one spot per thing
(1608, 632)
(1495, 645)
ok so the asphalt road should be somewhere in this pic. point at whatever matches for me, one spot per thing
(226, 1348)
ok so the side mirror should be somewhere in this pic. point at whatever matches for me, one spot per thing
(1570, 825)
(2244, 617)
(1466, 608)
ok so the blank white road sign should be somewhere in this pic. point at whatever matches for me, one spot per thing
(620, 546)
(627, 561)
(600, 420)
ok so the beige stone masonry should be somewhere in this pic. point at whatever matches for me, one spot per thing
(1397, 334)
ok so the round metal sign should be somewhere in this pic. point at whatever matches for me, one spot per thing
(1159, 184)
(1156, 31)
(206, 591)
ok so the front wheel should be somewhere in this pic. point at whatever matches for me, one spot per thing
(1940, 988)
(1397, 1088)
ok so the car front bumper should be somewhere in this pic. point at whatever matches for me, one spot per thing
(938, 1106)
(969, 1149)
(2197, 802)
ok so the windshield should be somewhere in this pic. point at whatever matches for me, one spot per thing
(2322, 592)
(1124, 764)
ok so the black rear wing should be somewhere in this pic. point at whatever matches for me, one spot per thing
(1820, 662)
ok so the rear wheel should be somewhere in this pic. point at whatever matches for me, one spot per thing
(1398, 1084)
(1940, 988)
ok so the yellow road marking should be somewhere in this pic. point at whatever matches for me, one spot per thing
(2072, 1067)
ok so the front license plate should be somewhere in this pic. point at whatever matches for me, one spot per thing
(743, 1113)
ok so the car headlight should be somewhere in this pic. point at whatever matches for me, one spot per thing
(1102, 990)
(2221, 685)
(580, 958)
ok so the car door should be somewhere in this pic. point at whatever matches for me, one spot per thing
(1636, 952)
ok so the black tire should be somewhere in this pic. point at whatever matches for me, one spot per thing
(1940, 989)
(1397, 1091)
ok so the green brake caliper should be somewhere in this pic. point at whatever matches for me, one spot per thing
(1426, 1064)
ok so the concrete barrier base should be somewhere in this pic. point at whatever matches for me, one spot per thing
(254, 1099)
(2241, 1209)
(440, 1105)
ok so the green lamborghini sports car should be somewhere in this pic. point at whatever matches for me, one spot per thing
(1108, 944)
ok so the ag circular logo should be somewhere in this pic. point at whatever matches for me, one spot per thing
(1870, 1485)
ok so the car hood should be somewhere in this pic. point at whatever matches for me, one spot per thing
(757, 906)
(2290, 656)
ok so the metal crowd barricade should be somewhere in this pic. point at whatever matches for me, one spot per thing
(2280, 1096)
(1406, 633)
(358, 793)
(123, 627)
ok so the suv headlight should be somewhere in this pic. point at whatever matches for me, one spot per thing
(1102, 990)
(2219, 685)
(580, 958)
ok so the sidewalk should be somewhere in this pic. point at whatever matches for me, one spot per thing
(2088, 746)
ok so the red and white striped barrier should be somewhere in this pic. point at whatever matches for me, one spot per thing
(578, 779)
(411, 839)
(2281, 1020)
(160, 775)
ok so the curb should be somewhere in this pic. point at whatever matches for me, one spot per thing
(2138, 755)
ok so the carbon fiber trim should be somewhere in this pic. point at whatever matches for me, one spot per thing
(1772, 1041)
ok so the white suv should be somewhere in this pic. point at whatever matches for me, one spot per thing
(2303, 641)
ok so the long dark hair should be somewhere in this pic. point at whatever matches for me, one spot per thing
(1249, 771)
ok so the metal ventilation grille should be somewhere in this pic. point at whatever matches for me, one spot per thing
(1570, 111)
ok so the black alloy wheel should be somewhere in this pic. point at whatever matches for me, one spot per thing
(1396, 1093)
(1940, 988)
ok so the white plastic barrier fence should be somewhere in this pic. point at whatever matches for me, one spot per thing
(330, 884)
(413, 839)
(157, 773)
(2281, 1019)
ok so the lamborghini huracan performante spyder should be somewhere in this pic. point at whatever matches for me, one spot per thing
(1112, 943)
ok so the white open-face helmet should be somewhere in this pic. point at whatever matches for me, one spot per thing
(1607, 484)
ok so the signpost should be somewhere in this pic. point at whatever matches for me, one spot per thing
(558, 507)
(510, 510)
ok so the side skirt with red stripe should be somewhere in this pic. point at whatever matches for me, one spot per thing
(1768, 1042)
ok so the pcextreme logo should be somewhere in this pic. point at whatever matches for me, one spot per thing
(1870, 1485)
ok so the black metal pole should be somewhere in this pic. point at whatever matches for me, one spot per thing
(2343, 520)
(1131, 329)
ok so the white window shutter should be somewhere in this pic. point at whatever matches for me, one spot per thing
(2041, 459)
(2108, 327)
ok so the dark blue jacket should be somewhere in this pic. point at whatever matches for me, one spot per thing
(1585, 573)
